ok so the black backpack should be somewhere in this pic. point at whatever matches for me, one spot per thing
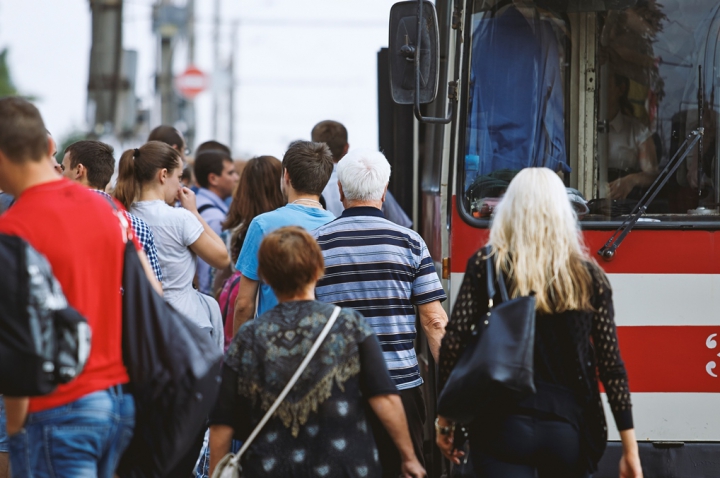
(43, 341)
(174, 372)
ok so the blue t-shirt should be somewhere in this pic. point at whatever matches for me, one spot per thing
(309, 218)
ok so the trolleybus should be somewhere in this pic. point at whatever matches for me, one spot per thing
(604, 92)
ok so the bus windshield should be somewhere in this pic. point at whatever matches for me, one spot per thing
(657, 68)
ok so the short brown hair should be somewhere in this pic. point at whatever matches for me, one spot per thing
(23, 135)
(98, 159)
(309, 166)
(213, 145)
(333, 134)
(168, 135)
(209, 162)
(289, 260)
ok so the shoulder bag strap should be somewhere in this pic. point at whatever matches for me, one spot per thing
(122, 217)
(291, 383)
(491, 279)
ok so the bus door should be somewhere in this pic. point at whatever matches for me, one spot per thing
(606, 98)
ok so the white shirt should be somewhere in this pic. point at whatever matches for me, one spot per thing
(175, 229)
(624, 139)
(331, 193)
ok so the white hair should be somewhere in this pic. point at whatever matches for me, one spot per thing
(537, 239)
(363, 174)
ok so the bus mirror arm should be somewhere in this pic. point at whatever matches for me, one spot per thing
(607, 252)
(452, 86)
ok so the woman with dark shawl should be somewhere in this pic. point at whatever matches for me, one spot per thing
(321, 428)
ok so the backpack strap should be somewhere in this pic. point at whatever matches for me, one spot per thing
(205, 207)
(232, 286)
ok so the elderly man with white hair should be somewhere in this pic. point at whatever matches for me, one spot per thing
(383, 271)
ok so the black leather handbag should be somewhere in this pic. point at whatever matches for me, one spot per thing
(497, 363)
(174, 371)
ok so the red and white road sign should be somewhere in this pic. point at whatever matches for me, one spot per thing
(191, 82)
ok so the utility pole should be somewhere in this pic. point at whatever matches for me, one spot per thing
(165, 77)
(231, 84)
(190, 112)
(106, 52)
(169, 21)
(216, 69)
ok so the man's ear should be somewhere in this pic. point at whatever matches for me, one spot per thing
(213, 179)
(385, 193)
(286, 177)
(80, 172)
(346, 148)
(342, 194)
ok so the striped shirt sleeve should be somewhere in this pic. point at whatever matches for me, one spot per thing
(426, 286)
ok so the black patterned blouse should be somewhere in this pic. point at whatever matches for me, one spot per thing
(571, 350)
(321, 429)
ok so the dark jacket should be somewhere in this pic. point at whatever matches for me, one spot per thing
(596, 353)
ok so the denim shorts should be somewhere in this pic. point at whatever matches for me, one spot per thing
(85, 438)
(3, 428)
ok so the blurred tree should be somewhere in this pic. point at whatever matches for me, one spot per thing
(67, 140)
(7, 88)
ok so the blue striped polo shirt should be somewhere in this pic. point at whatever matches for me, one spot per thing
(381, 270)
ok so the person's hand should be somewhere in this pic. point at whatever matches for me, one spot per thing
(413, 469)
(187, 199)
(630, 466)
(620, 188)
(445, 443)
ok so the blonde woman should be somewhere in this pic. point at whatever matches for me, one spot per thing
(560, 431)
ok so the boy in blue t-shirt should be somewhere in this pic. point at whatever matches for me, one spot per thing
(307, 167)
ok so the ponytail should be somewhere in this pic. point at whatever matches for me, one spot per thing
(139, 166)
(127, 187)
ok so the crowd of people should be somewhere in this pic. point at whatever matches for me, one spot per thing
(261, 261)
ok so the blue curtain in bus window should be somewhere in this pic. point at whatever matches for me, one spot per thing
(516, 117)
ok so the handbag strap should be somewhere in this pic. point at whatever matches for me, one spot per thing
(318, 342)
(491, 279)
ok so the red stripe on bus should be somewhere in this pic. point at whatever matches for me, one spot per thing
(642, 251)
(671, 358)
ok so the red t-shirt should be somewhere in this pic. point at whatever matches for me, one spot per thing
(82, 238)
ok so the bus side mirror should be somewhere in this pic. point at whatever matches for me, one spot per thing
(403, 51)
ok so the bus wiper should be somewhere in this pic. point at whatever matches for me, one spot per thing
(607, 251)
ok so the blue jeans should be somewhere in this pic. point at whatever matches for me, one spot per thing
(203, 467)
(85, 438)
(3, 430)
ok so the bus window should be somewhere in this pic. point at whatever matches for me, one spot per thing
(516, 111)
(652, 59)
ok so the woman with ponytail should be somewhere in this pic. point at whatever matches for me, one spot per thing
(149, 186)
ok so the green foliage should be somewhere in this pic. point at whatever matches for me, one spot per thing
(67, 140)
(7, 88)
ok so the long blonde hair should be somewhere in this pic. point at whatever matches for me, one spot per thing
(537, 242)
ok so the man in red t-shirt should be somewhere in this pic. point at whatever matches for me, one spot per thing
(82, 428)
